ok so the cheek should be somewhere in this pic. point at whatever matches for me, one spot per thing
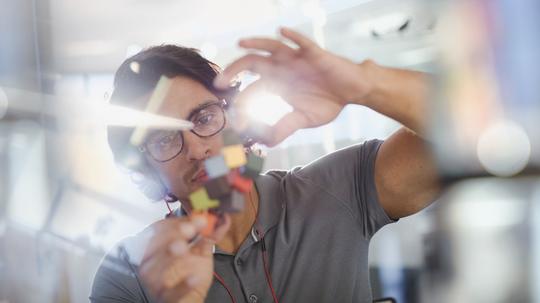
(172, 175)
(216, 144)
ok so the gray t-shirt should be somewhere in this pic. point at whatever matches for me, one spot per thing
(317, 223)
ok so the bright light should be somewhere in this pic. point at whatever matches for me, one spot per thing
(123, 116)
(3, 103)
(504, 148)
(267, 108)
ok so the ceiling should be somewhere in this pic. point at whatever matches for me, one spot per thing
(94, 37)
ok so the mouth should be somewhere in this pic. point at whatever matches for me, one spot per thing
(200, 177)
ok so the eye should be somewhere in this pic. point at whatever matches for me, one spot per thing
(204, 119)
(165, 140)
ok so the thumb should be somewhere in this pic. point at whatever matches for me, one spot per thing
(204, 246)
(285, 127)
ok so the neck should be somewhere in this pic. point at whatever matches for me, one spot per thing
(241, 223)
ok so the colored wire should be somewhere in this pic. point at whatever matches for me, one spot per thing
(220, 279)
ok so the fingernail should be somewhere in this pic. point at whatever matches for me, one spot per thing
(178, 248)
(187, 230)
(199, 222)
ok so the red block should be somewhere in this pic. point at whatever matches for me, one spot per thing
(240, 183)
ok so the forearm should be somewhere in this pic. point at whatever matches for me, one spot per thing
(399, 94)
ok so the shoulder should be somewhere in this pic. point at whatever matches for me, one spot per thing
(117, 276)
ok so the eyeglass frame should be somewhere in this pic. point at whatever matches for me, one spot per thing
(222, 105)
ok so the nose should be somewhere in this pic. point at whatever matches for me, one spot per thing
(197, 149)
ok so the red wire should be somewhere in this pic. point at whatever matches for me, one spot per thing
(220, 279)
(266, 272)
(261, 236)
(268, 277)
(169, 207)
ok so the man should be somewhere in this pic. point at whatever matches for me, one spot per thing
(304, 234)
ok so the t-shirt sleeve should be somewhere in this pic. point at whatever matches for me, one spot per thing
(116, 280)
(349, 175)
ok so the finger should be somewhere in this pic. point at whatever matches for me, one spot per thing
(173, 234)
(163, 271)
(152, 271)
(182, 291)
(178, 271)
(258, 64)
(285, 127)
(270, 45)
(302, 41)
(204, 247)
(221, 229)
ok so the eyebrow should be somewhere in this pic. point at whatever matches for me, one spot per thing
(191, 114)
(199, 107)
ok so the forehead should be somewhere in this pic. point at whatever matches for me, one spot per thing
(183, 96)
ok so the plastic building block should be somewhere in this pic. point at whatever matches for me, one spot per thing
(200, 201)
(218, 187)
(234, 202)
(211, 220)
(234, 155)
(230, 137)
(238, 182)
(216, 166)
(253, 167)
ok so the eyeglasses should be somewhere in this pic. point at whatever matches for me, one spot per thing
(166, 145)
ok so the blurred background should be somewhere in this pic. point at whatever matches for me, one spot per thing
(64, 203)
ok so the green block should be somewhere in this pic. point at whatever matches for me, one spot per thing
(200, 201)
(253, 167)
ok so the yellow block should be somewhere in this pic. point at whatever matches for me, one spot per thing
(234, 155)
(200, 200)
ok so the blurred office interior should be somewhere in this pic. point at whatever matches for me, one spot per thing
(64, 203)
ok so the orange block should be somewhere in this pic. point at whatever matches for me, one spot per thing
(211, 221)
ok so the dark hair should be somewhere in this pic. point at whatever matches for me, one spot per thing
(138, 75)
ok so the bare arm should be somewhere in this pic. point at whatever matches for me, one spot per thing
(318, 84)
(405, 171)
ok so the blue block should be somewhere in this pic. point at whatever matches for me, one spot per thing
(232, 203)
(216, 166)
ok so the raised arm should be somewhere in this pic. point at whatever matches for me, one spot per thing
(405, 172)
(318, 84)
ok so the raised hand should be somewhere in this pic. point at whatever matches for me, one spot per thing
(315, 82)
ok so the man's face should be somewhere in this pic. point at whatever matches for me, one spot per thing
(185, 172)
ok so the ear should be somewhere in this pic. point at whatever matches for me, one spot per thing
(149, 184)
